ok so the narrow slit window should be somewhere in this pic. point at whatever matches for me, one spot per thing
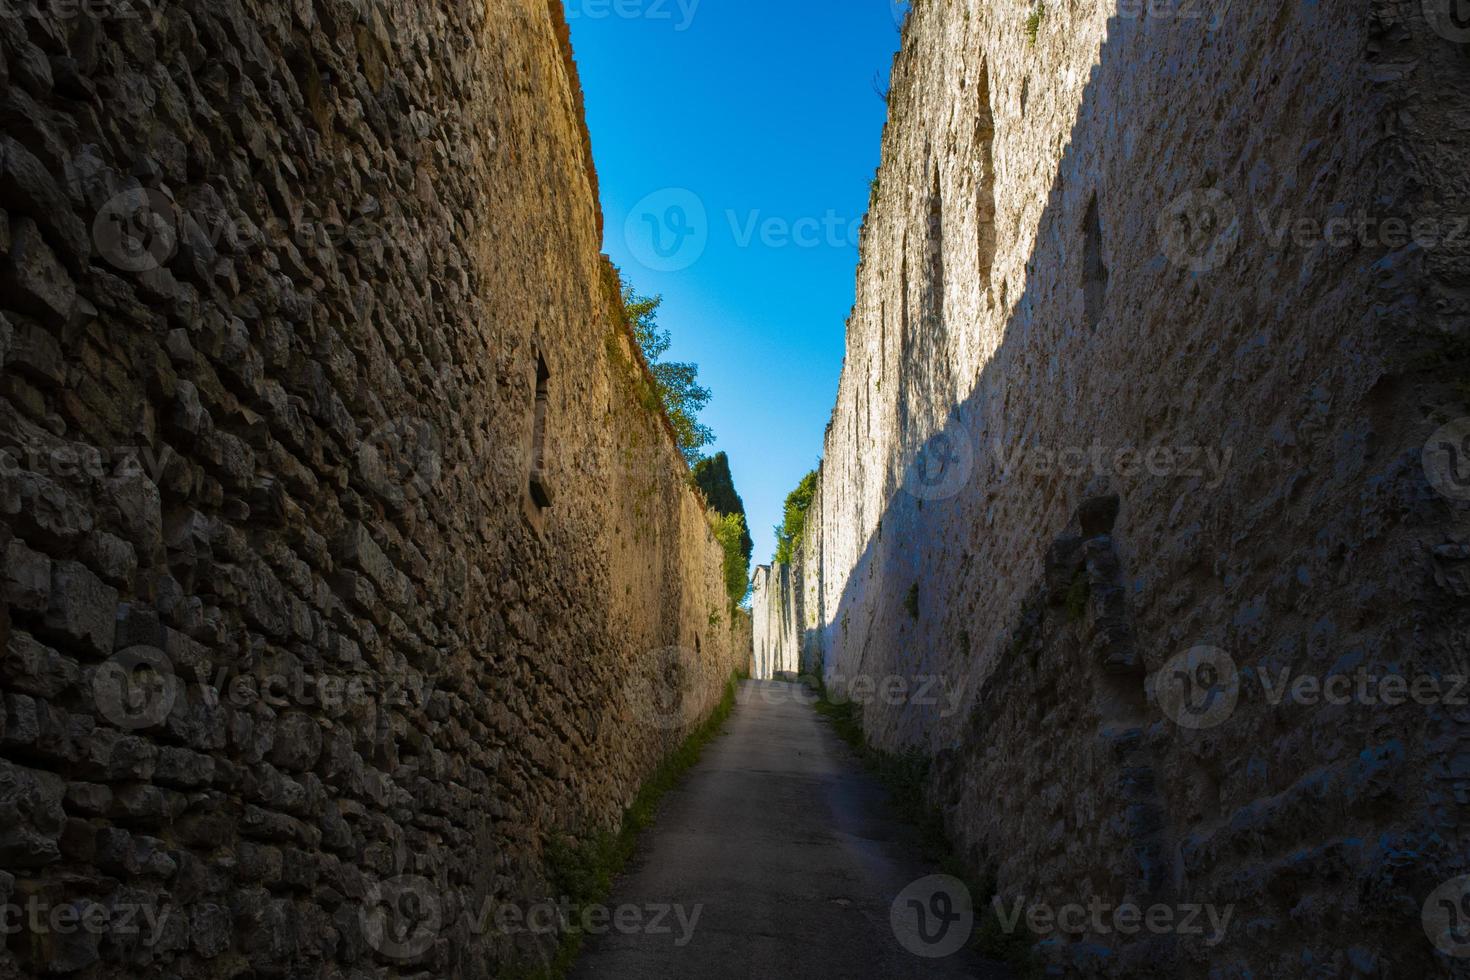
(1094, 272)
(540, 493)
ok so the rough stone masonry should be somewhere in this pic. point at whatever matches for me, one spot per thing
(1149, 442)
(344, 568)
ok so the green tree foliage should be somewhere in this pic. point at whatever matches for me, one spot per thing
(676, 383)
(793, 520)
(712, 474)
(729, 531)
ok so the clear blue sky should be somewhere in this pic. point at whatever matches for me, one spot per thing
(735, 141)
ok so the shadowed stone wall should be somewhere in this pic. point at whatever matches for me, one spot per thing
(344, 564)
(1160, 316)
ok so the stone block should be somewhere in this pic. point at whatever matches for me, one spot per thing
(33, 668)
(210, 929)
(183, 768)
(82, 610)
(35, 279)
(27, 579)
(110, 756)
(88, 799)
(297, 743)
(28, 186)
(31, 817)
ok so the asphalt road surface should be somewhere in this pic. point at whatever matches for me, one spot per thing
(778, 856)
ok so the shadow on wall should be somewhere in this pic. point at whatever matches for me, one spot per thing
(1057, 603)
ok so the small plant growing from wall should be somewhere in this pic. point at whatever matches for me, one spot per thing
(1033, 23)
(675, 388)
(911, 602)
(728, 530)
(793, 520)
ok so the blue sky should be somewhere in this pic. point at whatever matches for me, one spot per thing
(734, 142)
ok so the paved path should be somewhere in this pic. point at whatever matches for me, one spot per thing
(789, 853)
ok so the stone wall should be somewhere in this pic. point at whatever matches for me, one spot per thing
(1124, 408)
(774, 640)
(345, 563)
